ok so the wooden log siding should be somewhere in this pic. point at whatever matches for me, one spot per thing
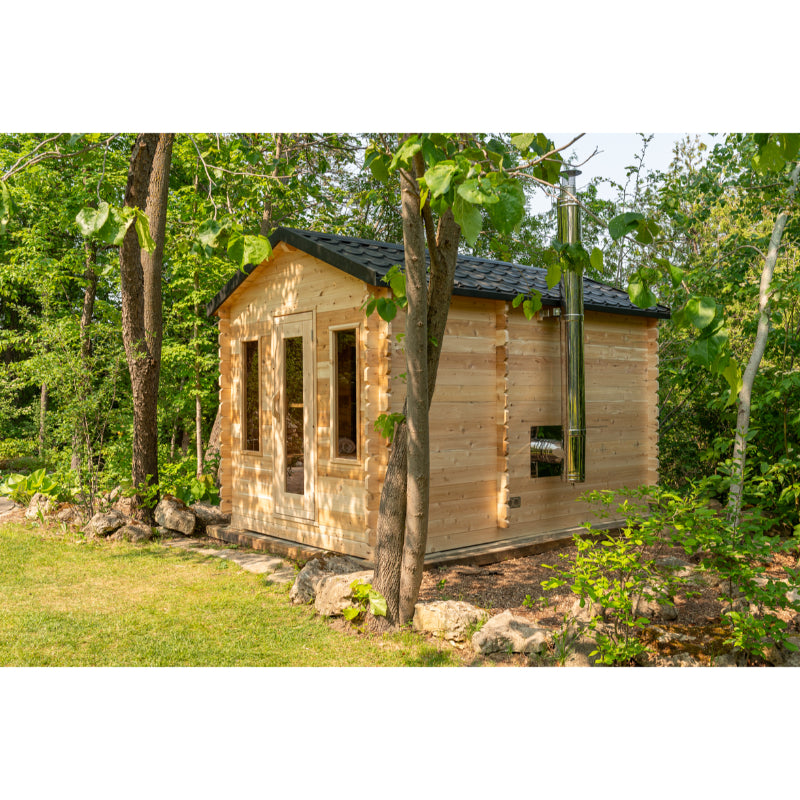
(621, 413)
(499, 375)
(293, 282)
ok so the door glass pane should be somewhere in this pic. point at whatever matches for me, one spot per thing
(252, 440)
(346, 400)
(294, 434)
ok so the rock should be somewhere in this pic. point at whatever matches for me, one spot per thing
(124, 505)
(40, 503)
(133, 532)
(679, 660)
(791, 658)
(173, 514)
(726, 660)
(589, 610)
(579, 650)
(282, 576)
(449, 619)
(505, 633)
(71, 516)
(335, 593)
(651, 608)
(207, 514)
(308, 579)
(104, 523)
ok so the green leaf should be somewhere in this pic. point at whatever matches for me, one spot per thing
(397, 281)
(509, 210)
(143, 231)
(640, 294)
(377, 603)
(733, 376)
(469, 219)
(517, 300)
(236, 249)
(351, 613)
(596, 259)
(387, 310)
(379, 166)
(646, 231)
(531, 306)
(706, 350)
(478, 192)
(769, 158)
(6, 206)
(623, 224)
(116, 225)
(256, 249)
(90, 220)
(209, 232)
(700, 311)
(522, 141)
(438, 177)
(404, 154)
(553, 274)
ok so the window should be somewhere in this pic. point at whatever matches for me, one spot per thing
(547, 451)
(344, 411)
(251, 439)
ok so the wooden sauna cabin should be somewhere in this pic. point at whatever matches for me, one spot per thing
(304, 374)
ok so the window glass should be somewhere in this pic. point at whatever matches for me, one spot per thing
(346, 395)
(547, 451)
(252, 440)
(294, 434)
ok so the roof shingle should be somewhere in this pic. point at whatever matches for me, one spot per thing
(475, 277)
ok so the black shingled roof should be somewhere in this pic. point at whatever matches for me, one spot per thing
(475, 277)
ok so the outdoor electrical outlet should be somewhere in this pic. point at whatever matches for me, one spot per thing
(514, 502)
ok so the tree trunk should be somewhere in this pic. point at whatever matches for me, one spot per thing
(749, 377)
(417, 428)
(198, 406)
(42, 420)
(140, 283)
(87, 312)
(443, 248)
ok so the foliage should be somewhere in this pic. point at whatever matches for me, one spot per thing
(366, 598)
(613, 571)
(21, 488)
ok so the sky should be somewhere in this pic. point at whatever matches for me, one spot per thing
(616, 151)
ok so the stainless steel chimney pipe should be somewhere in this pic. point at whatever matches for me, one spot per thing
(573, 392)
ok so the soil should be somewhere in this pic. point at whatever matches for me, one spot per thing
(516, 584)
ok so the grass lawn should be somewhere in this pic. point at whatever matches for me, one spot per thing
(71, 603)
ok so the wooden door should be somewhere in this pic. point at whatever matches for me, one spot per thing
(294, 410)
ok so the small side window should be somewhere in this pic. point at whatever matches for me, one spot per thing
(344, 413)
(547, 451)
(251, 439)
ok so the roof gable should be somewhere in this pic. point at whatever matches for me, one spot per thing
(370, 261)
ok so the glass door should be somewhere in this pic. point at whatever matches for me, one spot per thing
(295, 416)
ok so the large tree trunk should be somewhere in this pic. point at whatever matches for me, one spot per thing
(417, 429)
(443, 248)
(140, 283)
(749, 377)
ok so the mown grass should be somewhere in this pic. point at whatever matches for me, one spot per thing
(68, 602)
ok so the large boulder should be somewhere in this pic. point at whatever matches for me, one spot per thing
(507, 633)
(207, 514)
(653, 604)
(335, 593)
(173, 514)
(133, 532)
(453, 620)
(316, 570)
(105, 523)
(40, 504)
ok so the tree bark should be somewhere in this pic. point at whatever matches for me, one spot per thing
(198, 406)
(43, 420)
(443, 249)
(748, 378)
(140, 283)
(87, 313)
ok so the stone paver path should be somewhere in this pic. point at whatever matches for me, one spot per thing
(275, 569)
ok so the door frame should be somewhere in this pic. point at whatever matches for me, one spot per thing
(288, 504)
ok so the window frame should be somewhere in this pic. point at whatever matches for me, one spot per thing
(333, 427)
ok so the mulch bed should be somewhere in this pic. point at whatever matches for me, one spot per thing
(516, 585)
